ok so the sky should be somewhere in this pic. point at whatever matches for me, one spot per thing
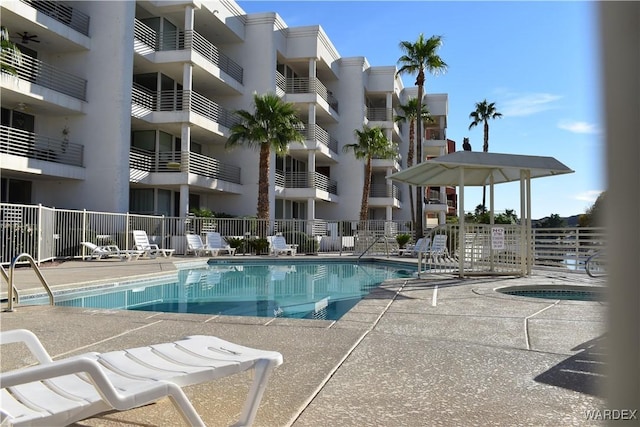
(537, 61)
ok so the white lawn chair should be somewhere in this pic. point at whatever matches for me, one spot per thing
(62, 392)
(106, 251)
(214, 241)
(278, 245)
(141, 243)
(438, 250)
(421, 246)
(195, 245)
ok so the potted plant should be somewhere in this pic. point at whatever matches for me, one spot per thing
(259, 246)
(402, 240)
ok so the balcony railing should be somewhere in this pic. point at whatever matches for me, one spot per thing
(316, 133)
(306, 180)
(18, 142)
(176, 161)
(45, 75)
(310, 85)
(181, 40)
(63, 13)
(379, 114)
(383, 190)
(434, 134)
(180, 101)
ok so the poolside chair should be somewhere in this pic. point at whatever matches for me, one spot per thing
(278, 245)
(141, 243)
(438, 250)
(106, 251)
(195, 245)
(214, 241)
(421, 246)
(62, 392)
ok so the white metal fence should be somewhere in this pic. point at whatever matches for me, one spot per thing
(48, 234)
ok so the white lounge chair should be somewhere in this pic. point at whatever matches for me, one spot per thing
(62, 392)
(195, 245)
(421, 246)
(106, 251)
(141, 243)
(214, 241)
(278, 245)
(438, 250)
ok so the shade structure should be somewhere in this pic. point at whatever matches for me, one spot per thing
(469, 168)
(479, 168)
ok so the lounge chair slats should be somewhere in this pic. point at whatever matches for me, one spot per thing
(59, 392)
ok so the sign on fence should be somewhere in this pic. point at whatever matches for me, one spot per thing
(497, 238)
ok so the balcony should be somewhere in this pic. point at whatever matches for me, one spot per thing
(177, 162)
(383, 195)
(47, 76)
(21, 143)
(383, 190)
(152, 41)
(312, 180)
(379, 114)
(143, 99)
(62, 13)
(315, 134)
(305, 85)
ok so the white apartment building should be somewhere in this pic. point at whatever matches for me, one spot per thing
(126, 106)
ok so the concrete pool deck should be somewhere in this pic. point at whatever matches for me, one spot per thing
(431, 351)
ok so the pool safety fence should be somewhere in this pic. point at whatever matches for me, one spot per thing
(48, 234)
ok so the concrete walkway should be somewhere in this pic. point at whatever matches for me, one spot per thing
(437, 351)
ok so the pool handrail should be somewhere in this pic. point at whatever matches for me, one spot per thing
(12, 287)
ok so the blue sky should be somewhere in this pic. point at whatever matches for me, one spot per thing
(538, 61)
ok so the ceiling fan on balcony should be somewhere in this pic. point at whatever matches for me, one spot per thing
(26, 37)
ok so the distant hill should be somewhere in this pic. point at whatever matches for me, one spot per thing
(571, 221)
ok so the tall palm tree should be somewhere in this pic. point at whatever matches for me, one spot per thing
(10, 54)
(419, 56)
(273, 125)
(484, 112)
(410, 114)
(371, 144)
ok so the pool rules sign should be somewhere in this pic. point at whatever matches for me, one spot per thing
(497, 238)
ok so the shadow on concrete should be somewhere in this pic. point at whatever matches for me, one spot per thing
(583, 372)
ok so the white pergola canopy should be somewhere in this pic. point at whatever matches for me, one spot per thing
(479, 168)
(472, 168)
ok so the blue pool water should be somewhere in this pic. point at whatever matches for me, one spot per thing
(302, 290)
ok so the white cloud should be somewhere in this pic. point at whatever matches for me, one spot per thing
(578, 127)
(588, 196)
(527, 104)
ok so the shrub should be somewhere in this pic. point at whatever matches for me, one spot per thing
(403, 239)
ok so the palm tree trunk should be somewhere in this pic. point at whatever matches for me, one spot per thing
(419, 196)
(263, 187)
(364, 208)
(410, 154)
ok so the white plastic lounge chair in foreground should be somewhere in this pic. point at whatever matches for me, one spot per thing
(99, 252)
(195, 245)
(61, 392)
(141, 243)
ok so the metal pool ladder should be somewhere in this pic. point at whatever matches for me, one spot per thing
(13, 289)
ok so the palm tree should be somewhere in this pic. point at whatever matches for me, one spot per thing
(483, 112)
(371, 144)
(410, 111)
(273, 125)
(10, 54)
(417, 57)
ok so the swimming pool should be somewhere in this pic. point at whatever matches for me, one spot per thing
(273, 288)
